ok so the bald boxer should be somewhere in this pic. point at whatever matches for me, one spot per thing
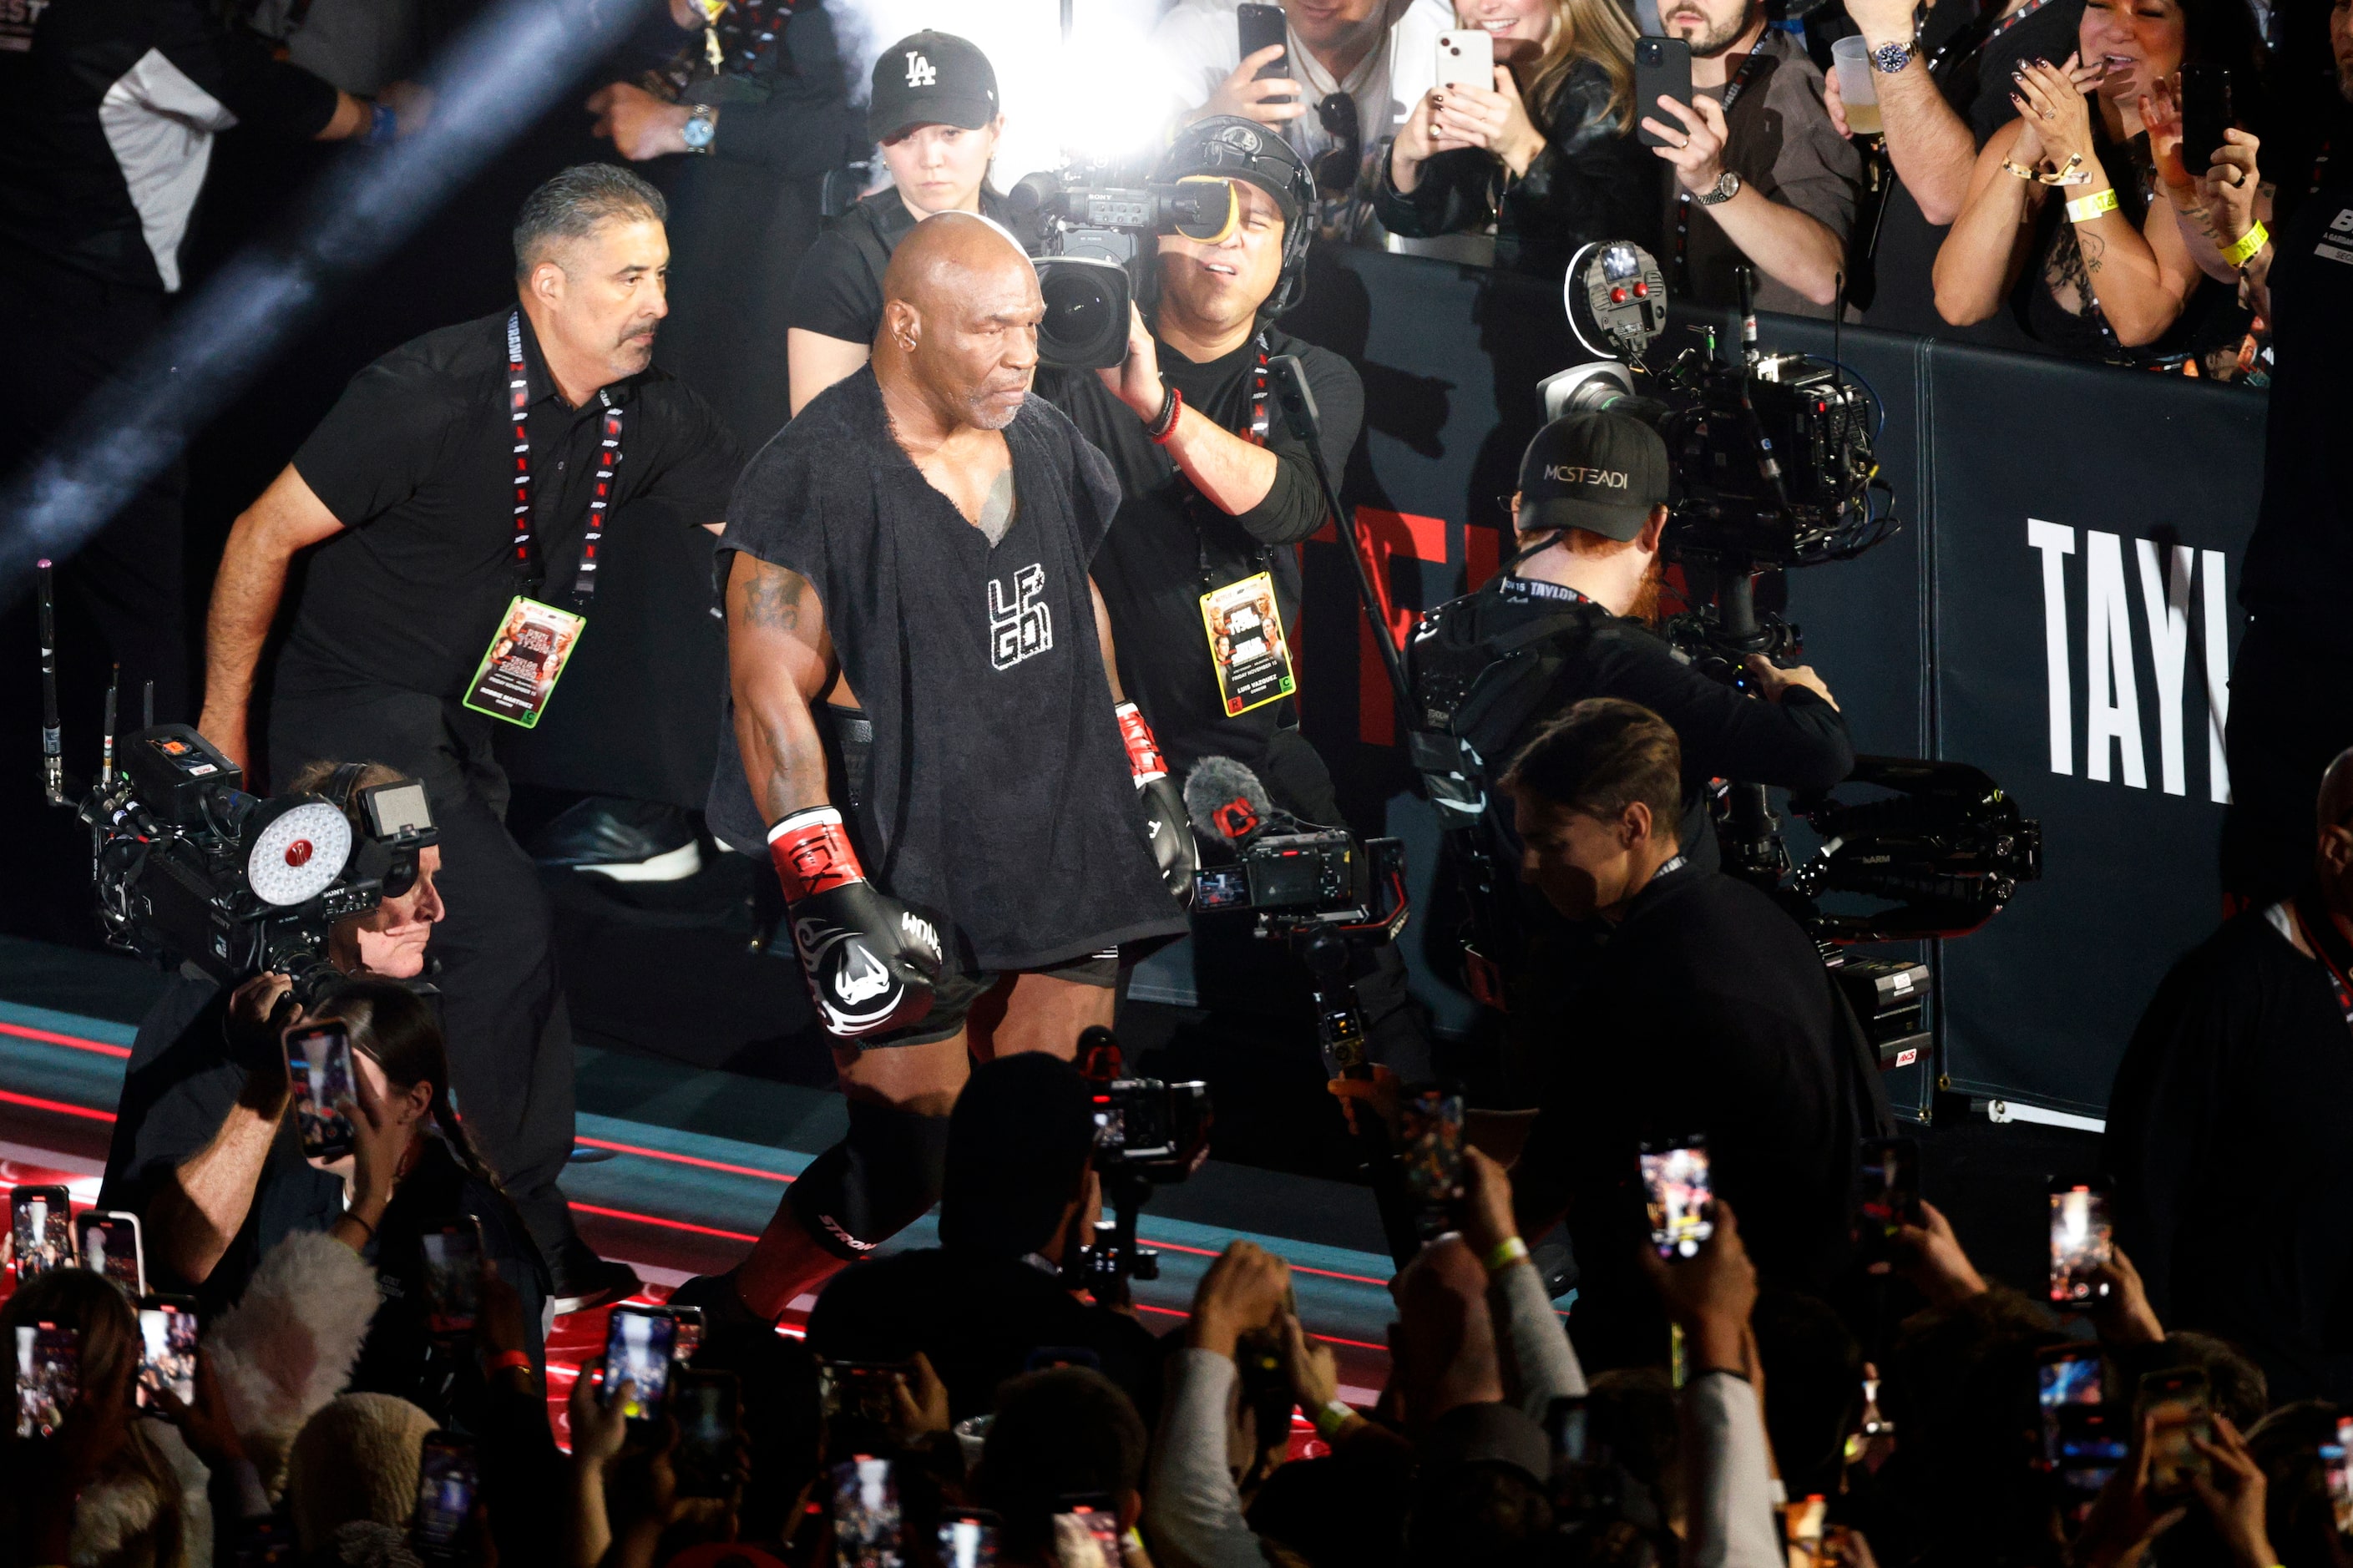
(968, 820)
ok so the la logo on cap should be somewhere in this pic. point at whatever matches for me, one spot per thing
(920, 72)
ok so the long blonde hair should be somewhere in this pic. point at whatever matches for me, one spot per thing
(1596, 30)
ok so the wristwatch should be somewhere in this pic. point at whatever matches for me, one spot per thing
(701, 126)
(1727, 185)
(1893, 58)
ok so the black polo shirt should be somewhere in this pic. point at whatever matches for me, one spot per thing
(1168, 544)
(416, 461)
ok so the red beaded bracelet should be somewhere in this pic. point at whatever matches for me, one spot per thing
(1164, 426)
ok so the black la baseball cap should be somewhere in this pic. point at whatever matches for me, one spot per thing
(1600, 472)
(932, 78)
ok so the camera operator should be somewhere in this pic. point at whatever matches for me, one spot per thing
(1709, 1013)
(934, 111)
(1019, 1194)
(2288, 717)
(1214, 487)
(456, 479)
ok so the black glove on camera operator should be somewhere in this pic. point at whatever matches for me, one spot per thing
(1569, 619)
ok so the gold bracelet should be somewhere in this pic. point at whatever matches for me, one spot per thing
(2255, 239)
(2083, 209)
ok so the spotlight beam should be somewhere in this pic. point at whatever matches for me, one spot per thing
(492, 82)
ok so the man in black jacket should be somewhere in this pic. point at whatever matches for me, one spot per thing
(1710, 1015)
(1020, 1192)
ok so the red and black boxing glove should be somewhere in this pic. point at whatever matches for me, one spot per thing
(1165, 822)
(870, 962)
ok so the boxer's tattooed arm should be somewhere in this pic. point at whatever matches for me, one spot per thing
(779, 659)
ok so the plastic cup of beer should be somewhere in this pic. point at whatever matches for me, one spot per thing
(1850, 57)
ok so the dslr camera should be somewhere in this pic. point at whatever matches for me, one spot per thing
(1096, 244)
(1148, 1133)
(190, 867)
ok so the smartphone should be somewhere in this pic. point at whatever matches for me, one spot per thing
(690, 1333)
(2085, 1440)
(2082, 1240)
(855, 1398)
(1681, 1201)
(1429, 1146)
(2339, 1472)
(110, 1245)
(968, 1540)
(2209, 108)
(1261, 28)
(1804, 1522)
(1661, 70)
(168, 1331)
(638, 1342)
(866, 1524)
(1095, 1514)
(49, 1376)
(445, 1479)
(1467, 59)
(1887, 1195)
(265, 1540)
(1584, 1481)
(319, 1066)
(2178, 1406)
(707, 1405)
(40, 1221)
(453, 1275)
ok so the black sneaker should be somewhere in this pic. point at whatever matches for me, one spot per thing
(583, 1280)
(722, 1309)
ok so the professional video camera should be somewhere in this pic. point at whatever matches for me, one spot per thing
(1096, 245)
(1147, 1134)
(191, 869)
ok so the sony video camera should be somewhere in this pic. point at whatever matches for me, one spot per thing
(1096, 247)
(191, 869)
(1771, 454)
(1288, 873)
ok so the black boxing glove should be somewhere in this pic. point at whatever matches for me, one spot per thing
(1166, 823)
(870, 962)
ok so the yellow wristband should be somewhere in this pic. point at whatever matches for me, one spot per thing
(2255, 239)
(1331, 1417)
(1508, 1252)
(2083, 209)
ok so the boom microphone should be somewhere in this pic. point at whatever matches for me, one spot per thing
(1227, 802)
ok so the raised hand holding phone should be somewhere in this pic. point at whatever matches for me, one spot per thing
(1709, 1296)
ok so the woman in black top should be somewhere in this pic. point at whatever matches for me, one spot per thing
(1548, 156)
(2094, 269)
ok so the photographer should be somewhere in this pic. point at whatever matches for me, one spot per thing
(934, 112)
(1019, 1195)
(430, 548)
(1708, 1013)
(1547, 155)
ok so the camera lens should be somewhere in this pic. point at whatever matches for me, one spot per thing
(1085, 325)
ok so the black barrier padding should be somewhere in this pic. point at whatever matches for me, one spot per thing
(1933, 642)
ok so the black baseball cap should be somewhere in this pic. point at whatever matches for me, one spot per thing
(932, 78)
(1600, 472)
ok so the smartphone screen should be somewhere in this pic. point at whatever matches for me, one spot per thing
(445, 1494)
(2339, 1470)
(704, 1405)
(40, 1223)
(110, 1245)
(2081, 1241)
(690, 1333)
(967, 1543)
(1682, 1202)
(637, 1343)
(49, 1377)
(168, 1329)
(453, 1277)
(2207, 111)
(1661, 70)
(318, 1067)
(865, 1514)
(2177, 1405)
(1261, 28)
(2085, 1440)
(855, 1398)
(1887, 1195)
(1100, 1520)
(1430, 1138)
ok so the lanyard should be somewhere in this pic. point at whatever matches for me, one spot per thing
(1260, 424)
(1684, 198)
(608, 455)
(2327, 944)
(1526, 590)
